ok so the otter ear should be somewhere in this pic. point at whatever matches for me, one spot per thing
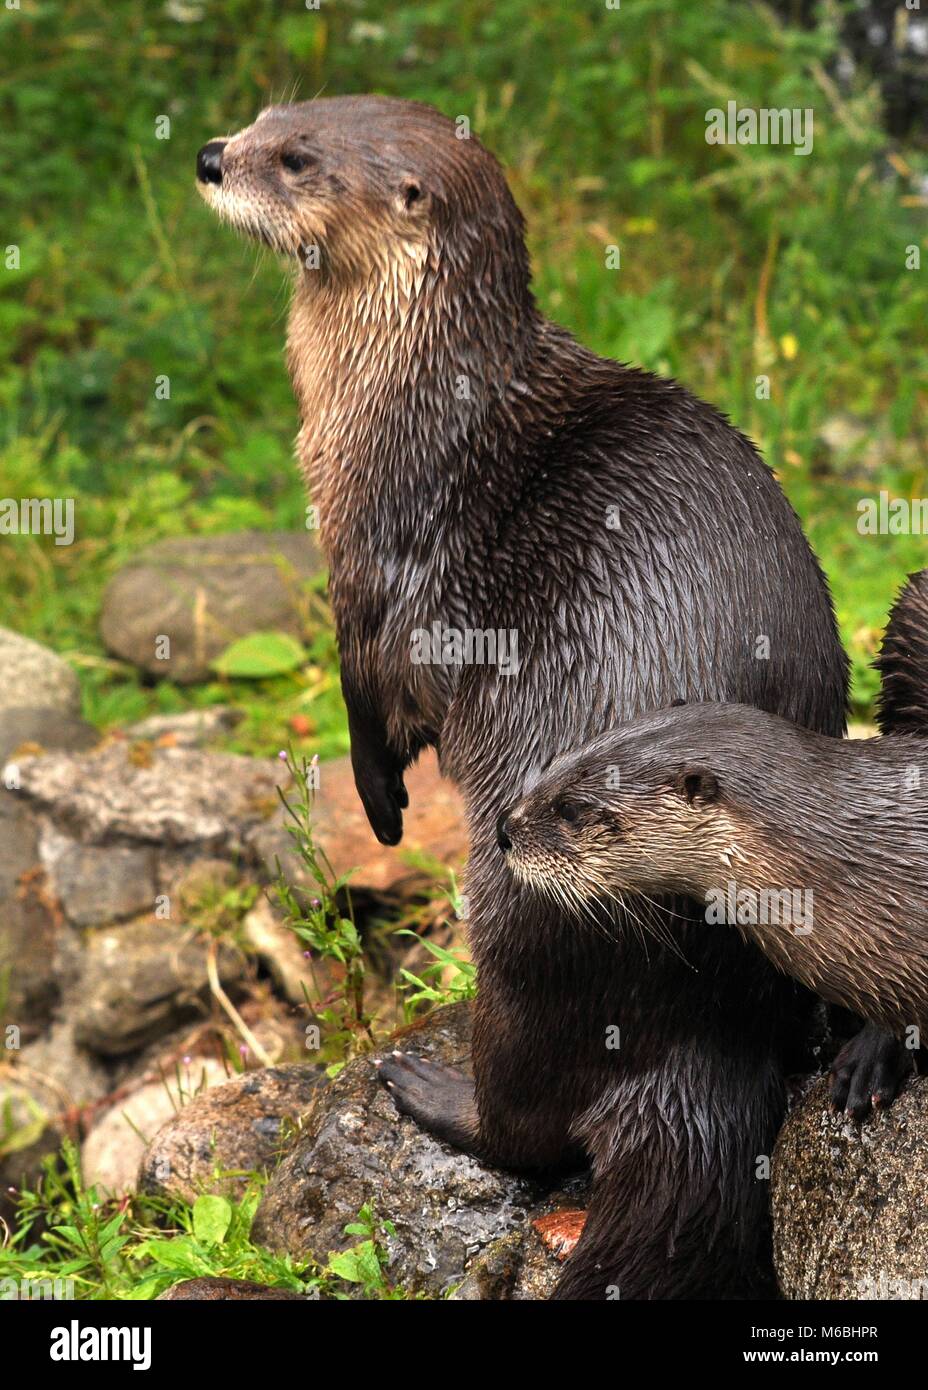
(697, 785)
(411, 195)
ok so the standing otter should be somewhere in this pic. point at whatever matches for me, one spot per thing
(479, 472)
(815, 848)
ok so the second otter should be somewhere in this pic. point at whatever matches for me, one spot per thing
(815, 848)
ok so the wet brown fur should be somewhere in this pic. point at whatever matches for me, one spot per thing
(469, 460)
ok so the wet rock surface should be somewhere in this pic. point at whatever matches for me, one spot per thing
(235, 1128)
(202, 592)
(355, 1148)
(526, 1264)
(849, 1213)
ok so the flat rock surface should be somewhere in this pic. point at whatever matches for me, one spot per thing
(850, 1218)
(203, 592)
(354, 1148)
(172, 796)
(238, 1127)
(38, 1085)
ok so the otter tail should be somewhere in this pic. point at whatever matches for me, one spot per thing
(902, 707)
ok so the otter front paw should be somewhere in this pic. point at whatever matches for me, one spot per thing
(384, 797)
(868, 1071)
(438, 1098)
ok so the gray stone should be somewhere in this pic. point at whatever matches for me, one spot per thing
(229, 1131)
(96, 886)
(43, 729)
(33, 675)
(526, 1264)
(190, 728)
(141, 980)
(42, 1085)
(279, 951)
(168, 796)
(30, 924)
(849, 1214)
(116, 1143)
(203, 592)
(354, 1148)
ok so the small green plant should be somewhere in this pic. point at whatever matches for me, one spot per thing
(449, 979)
(71, 1239)
(319, 922)
(364, 1264)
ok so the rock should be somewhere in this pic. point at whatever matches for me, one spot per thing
(189, 729)
(220, 1290)
(143, 979)
(849, 1213)
(30, 924)
(117, 1141)
(202, 592)
(96, 886)
(35, 728)
(170, 796)
(39, 1086)
(354, 1148)
(434, 827)
(279, 951)
(238, 1127)
(34, 676)
(526, 1264)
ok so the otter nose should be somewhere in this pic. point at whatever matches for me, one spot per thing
(209, 162)
(503, 838)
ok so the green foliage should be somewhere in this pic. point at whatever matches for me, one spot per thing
(735, 260)
(450, 978)
(320, 923)
(259, 655)
(136, 1248)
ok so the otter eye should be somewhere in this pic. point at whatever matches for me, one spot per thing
(296, 162)
(410, 193)
(565, 809)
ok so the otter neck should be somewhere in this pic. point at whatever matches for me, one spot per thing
(400, 380)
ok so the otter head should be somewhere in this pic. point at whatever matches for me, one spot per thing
(641, 809)
(362, 186)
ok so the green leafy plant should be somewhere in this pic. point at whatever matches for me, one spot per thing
(318, 921)
(74, 1242)
(259, 655)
